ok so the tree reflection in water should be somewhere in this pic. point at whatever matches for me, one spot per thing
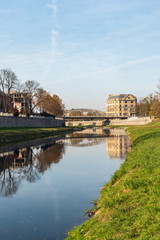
(27, 164)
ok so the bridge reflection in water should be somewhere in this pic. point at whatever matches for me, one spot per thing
(117, 142)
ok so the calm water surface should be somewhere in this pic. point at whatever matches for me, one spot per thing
(46, 185)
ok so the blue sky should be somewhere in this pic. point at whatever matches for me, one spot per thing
(83, 50)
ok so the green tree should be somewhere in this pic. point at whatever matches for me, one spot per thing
(144, 105)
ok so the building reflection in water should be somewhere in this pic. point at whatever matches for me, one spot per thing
(27, 164)
(118, 144)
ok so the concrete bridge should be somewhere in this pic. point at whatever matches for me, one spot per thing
(90, 120)
(93, 118)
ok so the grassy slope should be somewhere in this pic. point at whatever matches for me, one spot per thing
(9, 135)
(129, 206)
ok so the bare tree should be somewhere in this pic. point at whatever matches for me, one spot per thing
(158, 86)
(8, 82)
(31, 87)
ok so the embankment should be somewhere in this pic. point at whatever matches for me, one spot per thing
(34, 121)
(129, 206)
(13, 135)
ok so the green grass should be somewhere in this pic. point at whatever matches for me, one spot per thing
(10, 135)
(129, 205)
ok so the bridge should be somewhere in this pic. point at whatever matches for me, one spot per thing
(92, 118)
(81, 143)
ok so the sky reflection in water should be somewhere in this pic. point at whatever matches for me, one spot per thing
(46, 185)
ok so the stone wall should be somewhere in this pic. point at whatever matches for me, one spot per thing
(43, 122)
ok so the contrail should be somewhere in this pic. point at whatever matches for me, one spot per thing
(53, 6)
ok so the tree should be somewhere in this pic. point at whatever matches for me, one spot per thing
(155, 108)
(41, 99)
(50, 104)
(8, 82)
(158, 86)
(144, 105)
(76, 113)
(30, 87)
(58, 106)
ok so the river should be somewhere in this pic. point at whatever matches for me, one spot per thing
(46, 185)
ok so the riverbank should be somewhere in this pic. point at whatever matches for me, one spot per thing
(129, 206)
(12, 135)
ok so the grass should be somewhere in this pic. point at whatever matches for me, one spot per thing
(129, 206)
(10, 135)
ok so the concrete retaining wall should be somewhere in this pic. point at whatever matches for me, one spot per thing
(132, 121)
(43, 122)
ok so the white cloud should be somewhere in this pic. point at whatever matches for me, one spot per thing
(54, 7)
(93, 72)
(53, 52)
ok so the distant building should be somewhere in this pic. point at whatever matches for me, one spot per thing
(21, 101)
(121, 105)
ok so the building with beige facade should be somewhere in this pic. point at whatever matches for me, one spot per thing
(121, 105)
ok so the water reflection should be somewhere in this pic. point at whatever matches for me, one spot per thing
(60, 190)
(27, 164)
(117, 142)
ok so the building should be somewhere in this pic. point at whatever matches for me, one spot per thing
(21, 101)
(121, 105)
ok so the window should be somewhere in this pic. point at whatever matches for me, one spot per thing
(131, 101)
(125, 101)
(125, 105)
(131, 105)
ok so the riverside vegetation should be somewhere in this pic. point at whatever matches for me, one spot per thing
(10, 135)
(129, 206)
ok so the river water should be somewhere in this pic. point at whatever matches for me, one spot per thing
(45, 185)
